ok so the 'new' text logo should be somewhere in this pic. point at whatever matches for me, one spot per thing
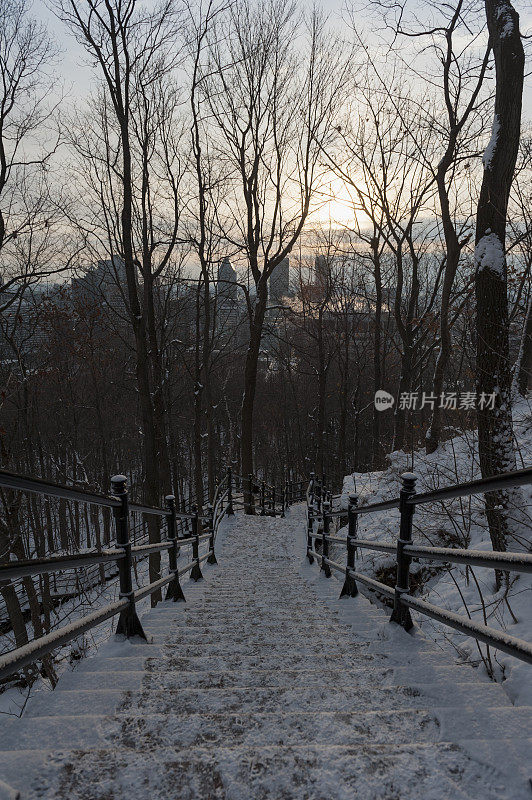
(383, 400)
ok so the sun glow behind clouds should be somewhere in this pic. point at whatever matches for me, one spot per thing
(334, 204)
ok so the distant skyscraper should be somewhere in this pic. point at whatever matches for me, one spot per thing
(104, 280)
(321, 269)
(226, 280)
(280, 281)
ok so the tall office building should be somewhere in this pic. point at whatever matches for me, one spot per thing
(280, 281)
(227, 287)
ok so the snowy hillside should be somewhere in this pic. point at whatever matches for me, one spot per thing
(459, 523)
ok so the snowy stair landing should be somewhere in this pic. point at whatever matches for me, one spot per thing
(263, 686)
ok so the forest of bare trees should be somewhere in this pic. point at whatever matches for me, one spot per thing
(218, 131)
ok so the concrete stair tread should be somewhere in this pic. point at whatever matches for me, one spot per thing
(387, 675)
(256, 728)
(162, 700)
(462, 769)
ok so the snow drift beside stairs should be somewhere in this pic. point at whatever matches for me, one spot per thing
(457, 523)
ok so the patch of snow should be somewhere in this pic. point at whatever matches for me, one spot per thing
(461, 523)
(504, 17)
(492, 144)
(489, 254)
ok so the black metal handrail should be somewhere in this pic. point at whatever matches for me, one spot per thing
(272, 500)
(123, 554)
(12, 480)
(128, 623)
(506, 480)
(405, 550)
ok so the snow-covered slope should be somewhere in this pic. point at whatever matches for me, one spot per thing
(264, 686)
(459, 523)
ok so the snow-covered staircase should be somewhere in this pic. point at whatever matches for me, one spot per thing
(264, 685)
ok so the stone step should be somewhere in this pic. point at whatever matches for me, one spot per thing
(301, 698)
(112, 676)
(232, 700)
(181, 617)
(203, 632)
(52, 732)
(462, 770)
(228, 662)
(220, 646)
(243, 610)
(257, 729)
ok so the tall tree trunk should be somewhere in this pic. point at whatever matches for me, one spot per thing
(322, 388)
(144, 383)
(377, 449)
(405, 385)
(453, 250)
(211, 442)
(159, 407)
(495, 429)
(250, 386)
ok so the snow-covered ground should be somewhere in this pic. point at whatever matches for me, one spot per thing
(264, 685)
(13, 699)
(459, 523)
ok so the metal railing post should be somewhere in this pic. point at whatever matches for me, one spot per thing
(183, 511)
(195, 573)
(128, 622)
(174, 591)
(350, 588)
(230, 510)
(212, 558)
(309, 535)
(325, 568)
(317, 496)
(401, 613)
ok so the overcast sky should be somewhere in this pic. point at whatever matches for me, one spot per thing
(76, 76)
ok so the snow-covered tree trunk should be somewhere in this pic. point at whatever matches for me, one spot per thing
(495, 431)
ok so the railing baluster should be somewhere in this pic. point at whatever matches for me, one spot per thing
(317, 496)
(230, 511)
(212, 558)
(350, 588)
(174, 591)
(128, 622)
(401, 613)
(309, 534)
(195, 573)
(325, 568)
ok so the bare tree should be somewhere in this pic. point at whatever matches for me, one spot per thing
(376, 153)
(28, 210)
(134, 169)
(270, 103)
